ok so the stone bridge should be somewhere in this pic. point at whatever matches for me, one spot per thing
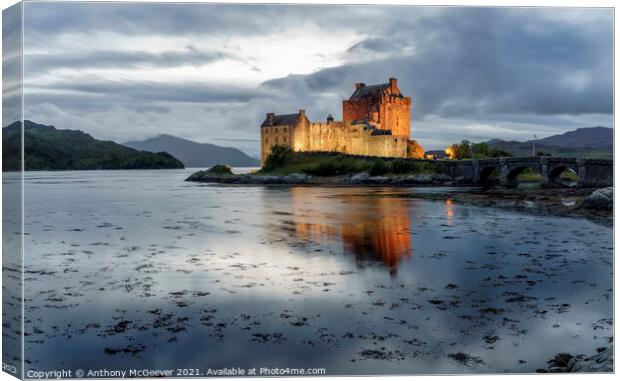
(591, 172)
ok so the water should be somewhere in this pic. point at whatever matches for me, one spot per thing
(139, 269)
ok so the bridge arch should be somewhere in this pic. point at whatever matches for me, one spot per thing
(512, 172)
(555, 175)
(489, 175)
(555, 167)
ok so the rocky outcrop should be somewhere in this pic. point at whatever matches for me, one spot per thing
(600, 199)
(206, 177)
(303, 179)
(603, 362)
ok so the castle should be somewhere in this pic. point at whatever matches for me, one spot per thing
(375, 122)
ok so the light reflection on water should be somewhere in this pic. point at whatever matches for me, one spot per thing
(140, 267)
(368, 227)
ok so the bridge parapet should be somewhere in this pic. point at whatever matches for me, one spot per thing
(554, 159)
(595, 173)
(591, 172)
(525, 159)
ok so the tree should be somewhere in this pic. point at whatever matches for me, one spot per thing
(378, 168)
(280, 156)
(467, 150)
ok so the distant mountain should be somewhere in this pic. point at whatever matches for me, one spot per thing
(194, 154)
(48, 148)
(587, 142)
(587, 137)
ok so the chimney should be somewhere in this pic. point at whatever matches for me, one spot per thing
(358, 85)
(393, 85)
(330, 118)
(374, 116)
(302, 113)
(270, 116)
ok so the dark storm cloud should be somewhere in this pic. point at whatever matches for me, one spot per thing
(41, 63)
(11, 64)
(137, 91)
(180, 19)
(485, 61)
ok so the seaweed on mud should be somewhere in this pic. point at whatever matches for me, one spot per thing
(133, 349)
(382, 354)
(263, 338)
(465, 359)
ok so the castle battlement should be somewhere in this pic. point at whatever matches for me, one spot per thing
(376, 122)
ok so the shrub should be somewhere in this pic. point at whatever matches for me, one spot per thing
(378, 168)
(330, 166)
(402, 166)
(324, 168)
(219, 169)
(279, 157)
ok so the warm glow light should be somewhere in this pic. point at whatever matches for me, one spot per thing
(449, 211)
(451, 152)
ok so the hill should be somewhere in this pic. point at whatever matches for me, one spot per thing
(587, 142)
(194, 154)
(588, 137)
(48, 148)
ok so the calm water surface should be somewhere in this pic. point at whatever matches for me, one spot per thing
(140, 269)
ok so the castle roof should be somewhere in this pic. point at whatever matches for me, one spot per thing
(374, 92)
(280, 120)
(370, 91)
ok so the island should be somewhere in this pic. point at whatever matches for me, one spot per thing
(49, 148)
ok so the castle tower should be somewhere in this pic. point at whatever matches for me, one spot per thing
(289, 130)
(384, 102)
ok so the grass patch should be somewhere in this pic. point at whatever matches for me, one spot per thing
(337, 164)
(528, 175)
(220, 170)
(569, 176)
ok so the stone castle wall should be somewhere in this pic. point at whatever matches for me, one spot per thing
(356, 110)
(333, 136)
(394, 115)
(275, 135)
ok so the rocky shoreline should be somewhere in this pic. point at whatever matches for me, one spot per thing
(602, 362)
(596, 204)
(303, 179)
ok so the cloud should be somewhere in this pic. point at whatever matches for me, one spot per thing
(11, 64)
(136, 91)
(481, 61)
(41, 63)
(206, 72)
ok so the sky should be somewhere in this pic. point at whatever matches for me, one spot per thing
(210, 73)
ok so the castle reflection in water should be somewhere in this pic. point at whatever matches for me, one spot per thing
(371, 225)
